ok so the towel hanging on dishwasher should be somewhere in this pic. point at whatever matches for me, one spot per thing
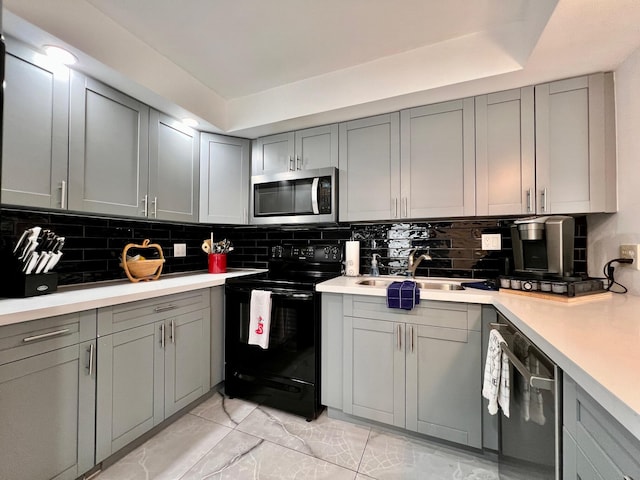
(496, 383)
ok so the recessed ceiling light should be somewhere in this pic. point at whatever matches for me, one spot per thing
(60, 55)
(190, 122)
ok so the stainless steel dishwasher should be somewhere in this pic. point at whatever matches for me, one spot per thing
(530, 440)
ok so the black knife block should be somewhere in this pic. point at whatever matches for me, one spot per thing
(15, 284)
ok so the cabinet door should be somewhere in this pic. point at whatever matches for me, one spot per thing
(505, 153)
(173, 169)
(370, 168)
(275, 154)
(438, 160)
(187, 356)
(444, 383)
(36, 127)
(130, 388)
(108, 150)
(224, 179)
(317, 147)
(374, 363)
(575, 145)
(46, 413)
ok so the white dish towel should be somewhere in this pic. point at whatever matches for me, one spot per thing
(260, 318)
(496, 387)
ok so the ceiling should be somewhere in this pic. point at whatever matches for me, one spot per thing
(254, 67)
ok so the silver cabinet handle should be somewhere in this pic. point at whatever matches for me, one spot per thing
(405, 204)
(244, 215)
(544, 199)
(173, 331)
(171, 306)
(412, 335)
(91, 351)
(162, 335)
(627, 477)
(395, 207)
(63, 194)
(145, 212)
(298, 163)
(155, 207)
(529, 201)
(46, 335)
(399, 337)
(292, 166)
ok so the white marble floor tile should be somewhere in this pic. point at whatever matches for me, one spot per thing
(392, 457)
(224, 410)
(170, 453)
(332, 440)
(240, 456)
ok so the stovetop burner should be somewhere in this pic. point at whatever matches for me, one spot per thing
(299, 267)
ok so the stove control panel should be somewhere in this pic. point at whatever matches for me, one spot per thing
(308, 253)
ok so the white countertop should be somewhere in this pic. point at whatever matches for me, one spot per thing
(595, 341)
(77, 298)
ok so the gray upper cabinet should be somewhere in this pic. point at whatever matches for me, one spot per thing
(505, 153)
(36, 126)
(370, 168)
(108, 150)
(173, 169)
(575, 145)
(47, 398)
(274, 154)
(224, 179)
(438, 160)
(301, 150)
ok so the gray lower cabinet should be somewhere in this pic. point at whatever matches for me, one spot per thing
(595, 445)
(393, 367)
(36, 126)
(224, 179)
(153, 360)
(47, 398)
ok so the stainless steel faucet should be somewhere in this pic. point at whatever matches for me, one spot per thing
(414, 262)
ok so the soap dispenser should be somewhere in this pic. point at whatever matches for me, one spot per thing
(374, 265)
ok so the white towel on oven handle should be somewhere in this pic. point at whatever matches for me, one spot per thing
(496, 387)
(260, 318)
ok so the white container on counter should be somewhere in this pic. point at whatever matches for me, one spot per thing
(352, 258)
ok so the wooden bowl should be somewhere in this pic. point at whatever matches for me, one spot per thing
(138, 270)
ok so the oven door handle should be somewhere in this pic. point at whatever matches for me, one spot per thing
(535, 381)
(296, 295)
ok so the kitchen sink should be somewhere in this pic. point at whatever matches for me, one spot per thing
(430, 285)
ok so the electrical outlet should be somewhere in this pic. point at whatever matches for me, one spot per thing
(491, 241)
(631, 250)
(179, 250)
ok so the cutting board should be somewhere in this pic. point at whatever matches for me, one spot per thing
(556, 297)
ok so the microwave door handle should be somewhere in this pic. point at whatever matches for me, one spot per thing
(314, 196)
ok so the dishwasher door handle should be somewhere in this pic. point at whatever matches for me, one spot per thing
(543, 383)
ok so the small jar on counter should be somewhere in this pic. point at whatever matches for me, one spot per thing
(516, 284)
(559, 287)
(530, 285)
(545, 286)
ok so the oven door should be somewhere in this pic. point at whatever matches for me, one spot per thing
(283, 375)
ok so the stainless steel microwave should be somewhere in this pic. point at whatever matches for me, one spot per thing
(303, 196)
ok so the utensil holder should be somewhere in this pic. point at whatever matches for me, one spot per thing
(217, 263)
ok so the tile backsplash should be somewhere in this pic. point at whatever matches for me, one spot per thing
(94, 244)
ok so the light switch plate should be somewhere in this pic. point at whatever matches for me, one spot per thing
(179, 250)
(491, 241)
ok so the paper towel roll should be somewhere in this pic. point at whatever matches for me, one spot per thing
(352, 255)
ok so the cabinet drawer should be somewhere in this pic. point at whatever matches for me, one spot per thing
(22, 340)
(437, 314)
(610, 447)
(134, 314)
